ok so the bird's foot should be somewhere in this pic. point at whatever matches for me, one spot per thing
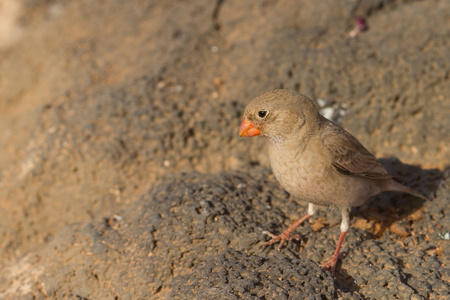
(331, 264)
(282, 238)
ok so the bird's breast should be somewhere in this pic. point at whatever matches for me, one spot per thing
(303, 176)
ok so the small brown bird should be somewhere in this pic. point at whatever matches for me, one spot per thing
(315, 160)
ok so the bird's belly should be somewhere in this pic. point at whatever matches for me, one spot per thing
(325, 187)
(306, 187)
(313, 179)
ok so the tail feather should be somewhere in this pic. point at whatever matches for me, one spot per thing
(398, 187)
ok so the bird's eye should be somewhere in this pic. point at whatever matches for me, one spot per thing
(263, 113)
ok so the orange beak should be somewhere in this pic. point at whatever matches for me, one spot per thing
(248, 129)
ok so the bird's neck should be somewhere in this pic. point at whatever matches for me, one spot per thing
(298, 141)
(297, 138)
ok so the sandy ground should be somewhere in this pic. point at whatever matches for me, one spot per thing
(122, 175)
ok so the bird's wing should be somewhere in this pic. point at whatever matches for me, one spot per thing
(349, 156)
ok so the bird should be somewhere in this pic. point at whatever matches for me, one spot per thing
(315, 160)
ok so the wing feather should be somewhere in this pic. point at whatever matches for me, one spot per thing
(349, 157)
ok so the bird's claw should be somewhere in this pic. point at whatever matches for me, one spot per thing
(331, 264)
(282, 238)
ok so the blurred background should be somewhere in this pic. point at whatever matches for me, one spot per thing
(100, 99)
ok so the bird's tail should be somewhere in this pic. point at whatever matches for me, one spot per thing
(398, 187)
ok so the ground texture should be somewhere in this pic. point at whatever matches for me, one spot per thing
(122, 175)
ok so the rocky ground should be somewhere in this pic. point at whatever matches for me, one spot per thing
(122, 175)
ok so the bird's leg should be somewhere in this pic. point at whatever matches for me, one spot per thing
(286, 235)
(331, 264)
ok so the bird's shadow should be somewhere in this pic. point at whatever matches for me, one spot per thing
(389, 210)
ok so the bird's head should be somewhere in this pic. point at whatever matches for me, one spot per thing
(278, 115)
